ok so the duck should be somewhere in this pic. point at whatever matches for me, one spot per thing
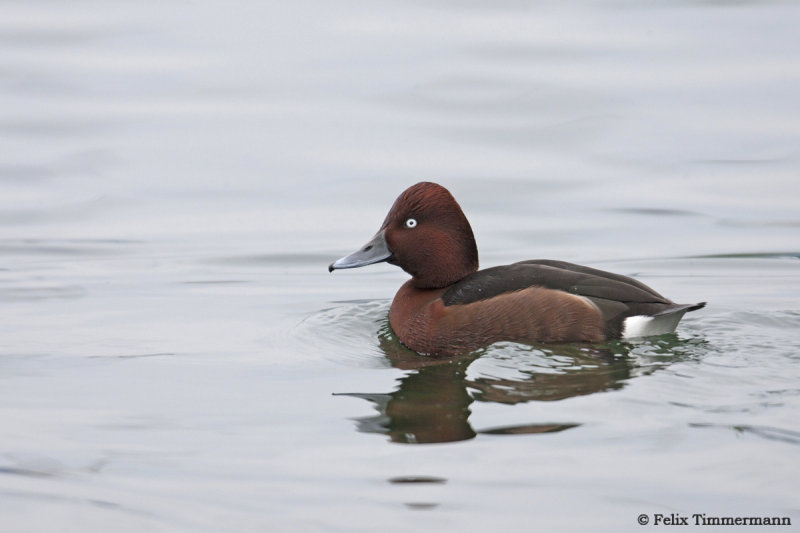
(450, 307)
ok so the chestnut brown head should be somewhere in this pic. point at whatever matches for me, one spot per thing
(426, 234)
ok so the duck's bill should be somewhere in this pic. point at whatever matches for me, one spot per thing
(374, 251)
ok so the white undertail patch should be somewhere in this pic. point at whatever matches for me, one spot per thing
(645, 326)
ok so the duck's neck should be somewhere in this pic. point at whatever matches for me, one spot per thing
(443, 275)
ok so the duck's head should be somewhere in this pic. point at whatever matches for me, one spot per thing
(426, 234)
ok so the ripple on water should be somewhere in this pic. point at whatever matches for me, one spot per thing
(766, 432)
(347, 332)
(776, 319)
(64, 292)
(513, 373)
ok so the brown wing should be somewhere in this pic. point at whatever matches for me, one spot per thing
(557, 275)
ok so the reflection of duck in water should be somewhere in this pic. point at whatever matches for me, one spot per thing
(432, 403)
(449, 307)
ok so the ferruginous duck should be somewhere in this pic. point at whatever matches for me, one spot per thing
(449, 307)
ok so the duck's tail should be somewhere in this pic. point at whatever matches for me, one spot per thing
(695, 307)
(664, 322)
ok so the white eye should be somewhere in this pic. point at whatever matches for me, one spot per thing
(411, 223)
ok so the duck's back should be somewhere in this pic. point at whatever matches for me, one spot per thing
(616, 298)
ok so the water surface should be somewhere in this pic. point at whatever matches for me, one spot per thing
(175, 178)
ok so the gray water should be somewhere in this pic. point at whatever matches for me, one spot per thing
(175, 177)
